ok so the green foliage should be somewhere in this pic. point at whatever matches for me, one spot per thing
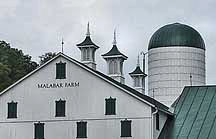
(13, 65)
(46, 57)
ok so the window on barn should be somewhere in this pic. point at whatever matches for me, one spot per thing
(110, 106)
(60, 108)
(39, 130)
(126, 128)
(12, 110)
(81, 129)
(60, 70)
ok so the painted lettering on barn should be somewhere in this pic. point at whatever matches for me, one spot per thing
(58, 85)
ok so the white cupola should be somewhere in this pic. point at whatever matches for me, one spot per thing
(88, 49)
(138, 77)
(115, 60)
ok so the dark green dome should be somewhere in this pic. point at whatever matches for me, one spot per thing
(176, 34)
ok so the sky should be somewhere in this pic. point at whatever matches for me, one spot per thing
(37, 26)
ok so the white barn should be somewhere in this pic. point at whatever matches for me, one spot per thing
(83, 95)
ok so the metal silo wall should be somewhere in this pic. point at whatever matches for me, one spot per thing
(169, 70)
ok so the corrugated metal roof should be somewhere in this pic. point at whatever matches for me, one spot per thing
(195, 114)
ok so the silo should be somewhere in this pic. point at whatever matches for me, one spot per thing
(176, 58)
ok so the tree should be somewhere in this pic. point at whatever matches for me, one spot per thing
(46, 57)
(4, 76)
(13, 65)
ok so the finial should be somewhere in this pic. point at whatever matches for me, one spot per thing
(138, 61)
(88, 30)
(190, 79)
(62, 43)
(114, 39)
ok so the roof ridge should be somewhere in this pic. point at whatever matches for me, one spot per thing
(183, 99)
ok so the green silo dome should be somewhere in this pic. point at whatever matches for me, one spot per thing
(176, 34)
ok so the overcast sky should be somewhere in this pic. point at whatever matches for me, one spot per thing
(37, 26)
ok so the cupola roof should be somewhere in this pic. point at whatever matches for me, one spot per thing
(87, 40)
(114, 52)
(137, 71)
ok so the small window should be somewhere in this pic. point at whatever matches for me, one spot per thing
(88, 54)
(115, 68)
(121, 67)
(110, 106)
(157, 121)
(39, 130)
(60, 70)
(126, 128)
(111, 67)
(84, 54)
(137, 82)
(81, 129)
(12, 110)
(60, 108)
(93, 56)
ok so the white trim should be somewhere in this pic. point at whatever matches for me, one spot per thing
(136, 74)
(114, 56)
(88, 46)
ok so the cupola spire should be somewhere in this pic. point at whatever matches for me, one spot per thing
(114, 38)
(138, 61)
(88, 30)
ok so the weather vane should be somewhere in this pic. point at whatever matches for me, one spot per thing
(190, 79)
(62, 44)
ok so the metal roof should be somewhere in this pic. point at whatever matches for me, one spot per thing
(176, 35)
(87, 41)
(138, 71)
(195, 114)
(114, 52)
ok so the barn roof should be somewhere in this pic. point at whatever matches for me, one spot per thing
(195, 114)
